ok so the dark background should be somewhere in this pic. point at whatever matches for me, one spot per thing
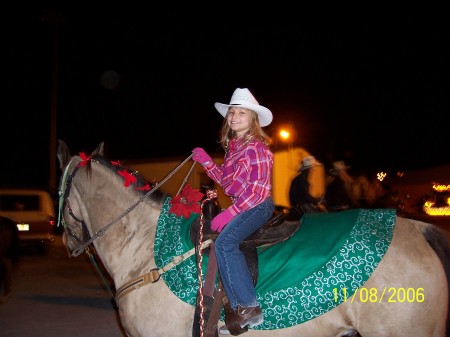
(370, 88)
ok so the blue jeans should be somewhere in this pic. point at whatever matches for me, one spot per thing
(231, 262)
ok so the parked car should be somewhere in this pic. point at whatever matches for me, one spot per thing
(33, 212)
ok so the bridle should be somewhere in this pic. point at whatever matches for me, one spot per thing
(64, 192)
(64, 201)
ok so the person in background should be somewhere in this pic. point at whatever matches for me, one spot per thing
(245, 176)
(338, 194)
(307, 190)
(361, 190)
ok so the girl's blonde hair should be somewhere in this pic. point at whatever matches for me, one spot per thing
(255, 131)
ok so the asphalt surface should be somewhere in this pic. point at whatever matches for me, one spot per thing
(54, 295)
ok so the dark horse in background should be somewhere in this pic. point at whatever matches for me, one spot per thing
(9, 255)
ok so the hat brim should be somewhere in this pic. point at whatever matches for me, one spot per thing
(264, 115)
(303, 167)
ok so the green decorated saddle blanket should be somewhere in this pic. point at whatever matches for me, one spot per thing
(320, 266)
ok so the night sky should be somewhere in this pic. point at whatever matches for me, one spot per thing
(370, 89)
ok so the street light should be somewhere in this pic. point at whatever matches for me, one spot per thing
(287, 136)
(284, 134)
(283, 171)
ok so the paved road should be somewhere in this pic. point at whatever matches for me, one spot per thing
(56, 296)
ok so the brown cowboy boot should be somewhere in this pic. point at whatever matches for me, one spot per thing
(245, 316)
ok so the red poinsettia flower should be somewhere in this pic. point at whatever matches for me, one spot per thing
(187, 202)
(85, 159)
(129, 177)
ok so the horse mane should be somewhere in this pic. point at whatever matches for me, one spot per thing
(139, 184)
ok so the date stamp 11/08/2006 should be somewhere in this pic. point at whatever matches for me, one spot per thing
(388, 294)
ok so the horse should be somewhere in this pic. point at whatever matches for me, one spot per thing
(9, 255)
(403, 291)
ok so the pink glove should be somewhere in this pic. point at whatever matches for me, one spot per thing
(200, 156)
(221, 220)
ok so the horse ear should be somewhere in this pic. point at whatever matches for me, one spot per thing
(63, 154)
(99, 150)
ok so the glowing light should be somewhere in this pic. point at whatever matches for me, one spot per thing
(284, 134)
(437, 211)
(381, 176)
(441, 188)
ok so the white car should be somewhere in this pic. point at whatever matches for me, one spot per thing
(33, 212)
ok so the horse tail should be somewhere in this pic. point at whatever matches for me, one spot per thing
(438, 240)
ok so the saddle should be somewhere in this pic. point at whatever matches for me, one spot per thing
(282, 225)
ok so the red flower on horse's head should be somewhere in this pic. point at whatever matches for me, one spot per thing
(187, 202)
(84, 159)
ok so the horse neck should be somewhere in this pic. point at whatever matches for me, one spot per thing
(127, 244)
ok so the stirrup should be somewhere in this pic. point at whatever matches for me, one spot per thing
(223, 330)
(250, 323)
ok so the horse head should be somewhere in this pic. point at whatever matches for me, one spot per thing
(75, 232)
(97, 194)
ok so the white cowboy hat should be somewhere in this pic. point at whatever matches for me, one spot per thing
(308, 162)
(338, 166)
(243, 98)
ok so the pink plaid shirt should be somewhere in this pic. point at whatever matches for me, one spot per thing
(245, 174)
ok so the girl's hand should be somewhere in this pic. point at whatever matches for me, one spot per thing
(221, 220)
(201, 157)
